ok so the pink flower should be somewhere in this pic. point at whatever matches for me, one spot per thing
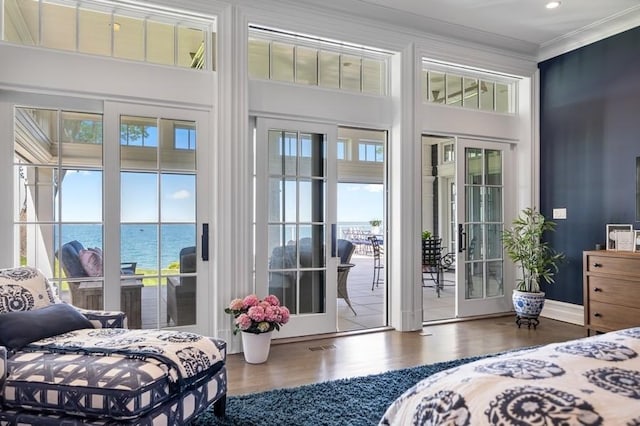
(256, 313)
(250, 300)
(257, 316)
(285, 314)
(272, 300)
(236, 304)
(243, 321)
(271, 314)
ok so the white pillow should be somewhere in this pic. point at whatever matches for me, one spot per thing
(24, 289)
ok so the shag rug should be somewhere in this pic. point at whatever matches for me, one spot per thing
(357, 401)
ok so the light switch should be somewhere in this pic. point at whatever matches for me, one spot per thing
(560, 213)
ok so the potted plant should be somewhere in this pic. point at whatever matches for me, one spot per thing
(375, 225)
(257, 319)
(426, 235)
(538, 262)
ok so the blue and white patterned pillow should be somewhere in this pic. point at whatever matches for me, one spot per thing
(24, 289)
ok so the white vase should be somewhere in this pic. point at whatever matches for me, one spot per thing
(256, 347)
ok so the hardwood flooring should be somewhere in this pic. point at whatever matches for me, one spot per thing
(304, 362)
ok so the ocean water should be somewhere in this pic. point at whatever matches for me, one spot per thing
(144, 244)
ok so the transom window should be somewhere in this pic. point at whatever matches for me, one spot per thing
(293, 58)
(134, 132)
(468, 88)
(109, 29)
(184, 136)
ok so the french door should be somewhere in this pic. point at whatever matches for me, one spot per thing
(481, 196)
(296, 241)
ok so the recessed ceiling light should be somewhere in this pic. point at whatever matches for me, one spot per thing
(553, 4)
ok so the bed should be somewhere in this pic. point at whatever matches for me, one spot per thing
(589, 381)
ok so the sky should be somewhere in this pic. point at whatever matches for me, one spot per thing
(82, 198)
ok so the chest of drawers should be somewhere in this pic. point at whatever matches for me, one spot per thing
(611, 290)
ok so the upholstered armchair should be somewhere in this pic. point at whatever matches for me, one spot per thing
(181, 291)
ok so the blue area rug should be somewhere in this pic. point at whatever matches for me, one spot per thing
(357, 401)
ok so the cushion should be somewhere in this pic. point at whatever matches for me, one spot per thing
(23, 289)
(18, 329)
(91, 261)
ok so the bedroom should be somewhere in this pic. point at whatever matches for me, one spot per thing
(71, 80)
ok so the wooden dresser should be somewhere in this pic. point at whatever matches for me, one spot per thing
(611, 290)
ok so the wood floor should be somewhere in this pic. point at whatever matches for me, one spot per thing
(299, 363)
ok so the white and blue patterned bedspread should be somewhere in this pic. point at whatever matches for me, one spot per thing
(589, 381)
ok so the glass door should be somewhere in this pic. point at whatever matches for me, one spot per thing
(161, 224)
(481, 196)
(296, 236)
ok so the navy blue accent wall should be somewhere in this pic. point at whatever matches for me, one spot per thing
(589, 141)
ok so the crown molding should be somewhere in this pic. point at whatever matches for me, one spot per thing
(613, 25)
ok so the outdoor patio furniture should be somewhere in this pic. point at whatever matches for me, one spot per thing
(345, 251)
(87, 293)
(181, 291)
(377, 260)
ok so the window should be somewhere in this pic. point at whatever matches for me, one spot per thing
(148, 35)
(136, 133)
(342, 149)
(448, 153)
(371, 152)
(468, 88)
(184, 137)
(281, 56)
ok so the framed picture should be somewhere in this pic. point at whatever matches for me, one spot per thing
(636, 240)
(619, 237)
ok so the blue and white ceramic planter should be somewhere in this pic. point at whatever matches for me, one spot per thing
(528, 305)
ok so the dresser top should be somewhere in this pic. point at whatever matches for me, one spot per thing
(613, 253)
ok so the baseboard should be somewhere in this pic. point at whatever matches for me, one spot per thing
(562, 311)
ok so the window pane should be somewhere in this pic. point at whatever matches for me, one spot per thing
(454, 90)
(486, 95)
(128, 38)
(191, 52)
(329, 69)
(306, 65)
(58, 26)
(81, 195)
(351, 72)
(470, 93)
(436, 87)
(178, 197)
(160, 43)
(258, 59)
(373, 76)
(502, 98)
(94, 32)
(282, 62)
(81, 137)
(138, 197)
(139, 142)
(493, 167)
(178, 145)
(26, 27)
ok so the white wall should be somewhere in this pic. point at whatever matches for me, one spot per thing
(229, 99)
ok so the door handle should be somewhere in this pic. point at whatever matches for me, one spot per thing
(205, 241)
(462, 238)
(334, 240)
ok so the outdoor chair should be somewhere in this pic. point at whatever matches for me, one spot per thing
(378, 251)
(181, 291)
(345, 251)
(434, 263)
(83, 269)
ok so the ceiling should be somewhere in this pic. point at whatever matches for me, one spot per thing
(523, 26)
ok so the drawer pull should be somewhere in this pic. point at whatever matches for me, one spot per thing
(597, 265)
(597, 289)
(597, 314)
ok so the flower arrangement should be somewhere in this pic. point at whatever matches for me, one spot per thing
(256, 316)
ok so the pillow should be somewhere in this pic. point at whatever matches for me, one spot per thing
(91, 261)
(23, 289)
(18, 329)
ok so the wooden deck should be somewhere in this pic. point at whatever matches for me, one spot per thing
(367, 303)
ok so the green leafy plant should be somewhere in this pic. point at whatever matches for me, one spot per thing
(524, 245)
(426, 235)
(375, 222)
